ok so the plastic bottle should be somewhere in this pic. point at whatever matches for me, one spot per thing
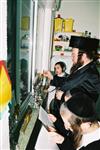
(68, 25)
(25, 41)
(58, 24)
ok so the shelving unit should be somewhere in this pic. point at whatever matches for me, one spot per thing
(61, 50)
(61, 39)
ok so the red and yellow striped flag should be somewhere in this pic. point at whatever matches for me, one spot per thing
(5, 87)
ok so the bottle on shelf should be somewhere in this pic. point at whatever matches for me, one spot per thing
(89, 35)
(58, 24)
(25, 41)
(68, 25)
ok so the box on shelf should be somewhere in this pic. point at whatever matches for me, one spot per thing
(68, 25)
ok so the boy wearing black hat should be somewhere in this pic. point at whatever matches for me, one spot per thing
(79, 116)
(84, 75)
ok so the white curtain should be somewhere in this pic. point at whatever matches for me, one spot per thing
(3, 29)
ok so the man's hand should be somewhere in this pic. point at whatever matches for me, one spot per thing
(59, 94)
(67, 97)
(52, 117)
(48, 75)
(51, 129)
(57, 138)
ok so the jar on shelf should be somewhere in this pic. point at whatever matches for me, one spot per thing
(25, 41)
(58, 24)
(68, 25)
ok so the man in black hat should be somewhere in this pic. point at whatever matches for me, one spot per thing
(84, 75)
(79, 116)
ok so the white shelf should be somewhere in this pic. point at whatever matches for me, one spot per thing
(72, 33)
(62, 53)
(24, 49)
(64, 41)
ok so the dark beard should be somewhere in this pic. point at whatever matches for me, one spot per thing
(77, 65)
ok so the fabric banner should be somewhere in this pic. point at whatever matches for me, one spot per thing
(5, 87)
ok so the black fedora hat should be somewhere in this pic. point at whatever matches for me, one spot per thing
(84, 43)
(82, 105)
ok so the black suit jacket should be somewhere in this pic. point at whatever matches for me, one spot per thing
(67, 145)
(58, 81)
(86, 79)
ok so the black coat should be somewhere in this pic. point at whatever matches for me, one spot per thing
(86, 79)
(67, 145)
(55, 104)
(58, 81)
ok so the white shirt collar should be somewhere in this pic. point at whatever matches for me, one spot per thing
(61, 75)
(90, 137)
(84, 65)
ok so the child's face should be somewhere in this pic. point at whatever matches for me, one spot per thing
(58, 69)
